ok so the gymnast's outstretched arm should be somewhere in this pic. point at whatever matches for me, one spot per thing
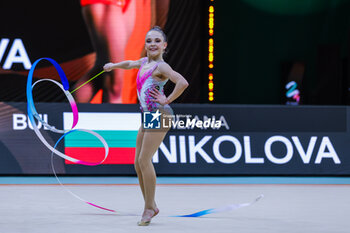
(123, 65)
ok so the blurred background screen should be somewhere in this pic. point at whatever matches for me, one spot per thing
(233, 52)
(84, 35)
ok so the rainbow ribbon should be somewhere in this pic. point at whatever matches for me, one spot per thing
(221, 209)
(33, 114)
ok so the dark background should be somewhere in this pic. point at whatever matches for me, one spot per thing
(255, 39)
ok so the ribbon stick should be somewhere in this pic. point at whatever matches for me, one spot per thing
(88, 81)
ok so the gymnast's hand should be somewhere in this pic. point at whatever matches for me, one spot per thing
(159, 97)
(108, 67)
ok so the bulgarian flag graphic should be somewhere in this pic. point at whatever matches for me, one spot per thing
(118, 129)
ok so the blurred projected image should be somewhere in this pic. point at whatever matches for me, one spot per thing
(83, 35)
(116, 29)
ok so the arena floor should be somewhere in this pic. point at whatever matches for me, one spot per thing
(290, 204)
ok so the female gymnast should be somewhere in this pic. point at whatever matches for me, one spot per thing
(151, 78)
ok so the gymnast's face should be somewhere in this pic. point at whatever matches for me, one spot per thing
(154, 43)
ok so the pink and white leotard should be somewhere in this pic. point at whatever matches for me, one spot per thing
(144, 85)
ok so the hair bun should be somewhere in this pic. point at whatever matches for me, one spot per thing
(159, 29)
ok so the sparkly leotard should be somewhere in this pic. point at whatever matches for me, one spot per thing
(144, 85)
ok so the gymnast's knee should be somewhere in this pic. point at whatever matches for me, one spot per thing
(143, 163)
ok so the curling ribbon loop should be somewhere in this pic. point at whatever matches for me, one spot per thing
(32, 113)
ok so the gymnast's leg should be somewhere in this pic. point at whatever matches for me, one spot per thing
(137, 155)
(150, 143)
